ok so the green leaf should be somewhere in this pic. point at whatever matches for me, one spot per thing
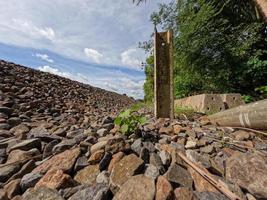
(143, 120)
(124, 128)
(125, 114)
(118, 121)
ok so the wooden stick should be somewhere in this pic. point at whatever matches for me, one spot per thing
(218, 185)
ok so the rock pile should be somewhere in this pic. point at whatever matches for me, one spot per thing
(75, 152)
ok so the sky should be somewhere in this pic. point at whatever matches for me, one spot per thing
(91, 41)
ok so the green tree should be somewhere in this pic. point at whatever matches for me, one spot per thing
(219, 46)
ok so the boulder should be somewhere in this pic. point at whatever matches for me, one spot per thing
(95, 192)
(164, 190)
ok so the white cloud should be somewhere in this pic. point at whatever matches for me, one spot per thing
(52, 70)
(129, 58)
(36, 32)
(44, 57)
(93, 54)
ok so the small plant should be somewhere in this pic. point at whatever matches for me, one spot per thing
(129, 120)
(247, 98)
(181, 111)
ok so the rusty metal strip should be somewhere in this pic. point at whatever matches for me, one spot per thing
(218, 185)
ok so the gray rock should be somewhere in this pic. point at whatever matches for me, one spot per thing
(137, 146)
(152, 171)
(102, 132)
(48, 149)
(14, 121)
(7, 171)
(156, 161)
(150, 146)
(2, 152)
(64, 145)
(37, 131)
(42, 193)
(103, 177)
(95, 192)
(26, 145)
(81, 163)
(68, 192)
(190, 144)
(207, 149)
(177, 174)
(165, 158)
(29, 180)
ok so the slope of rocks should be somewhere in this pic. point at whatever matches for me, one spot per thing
(67, 147)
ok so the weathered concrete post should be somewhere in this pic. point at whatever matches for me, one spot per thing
(163, 74)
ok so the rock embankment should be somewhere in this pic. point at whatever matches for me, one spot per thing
(67, 147)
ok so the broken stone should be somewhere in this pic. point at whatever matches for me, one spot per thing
(128, 166)
(87, 175)
(42, 193)
(136, 188)
(164, 189)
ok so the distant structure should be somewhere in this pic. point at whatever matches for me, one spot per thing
(262, 6)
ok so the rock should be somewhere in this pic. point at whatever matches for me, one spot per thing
(96, 157)
(165, 157)
(6, 110)
(137, 146)
(96, 192)
(81, 163)
(183, 193)
(150, 146)
(156, 161)
(29, 180)
(37, 131)
(7, 171)
(87, 175)
(144, 155)
(14, 121)
(166, 130)
(64, 145)
(177, 128)
(196, 157)
(207, 149)
(3, 195)
(250, 197)
(48, 149)
(115, 145)
(107, 120)
(104, 163)
(152, 171)
(27, 145)
(136, 188)
(64, 161)
(55, 179)
(19, 155)
(200, 183)
(42, 193)
(115, 158)
(20, 131)
(68, 192)
(164, 189)
(178, 175)
(249, 172)
(190, 144)
(128, 166)
(209, 196)
(98, 146)
(12, 188)
(103, 177)
(241, 135)
(102, 132)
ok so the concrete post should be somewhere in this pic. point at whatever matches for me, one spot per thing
(163, 75)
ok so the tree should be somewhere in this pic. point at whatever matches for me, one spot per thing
(219, 46)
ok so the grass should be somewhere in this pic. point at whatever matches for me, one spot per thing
(181, 112)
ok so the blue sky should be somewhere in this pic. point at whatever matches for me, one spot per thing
(92, 41)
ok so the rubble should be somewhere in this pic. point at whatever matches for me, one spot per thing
(61, 149)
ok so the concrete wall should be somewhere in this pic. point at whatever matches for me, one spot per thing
(210, 103)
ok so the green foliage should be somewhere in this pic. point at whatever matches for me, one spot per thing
(219, 47)
(262, 90)
(129, 120)
(181, 111)
(247, 98)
